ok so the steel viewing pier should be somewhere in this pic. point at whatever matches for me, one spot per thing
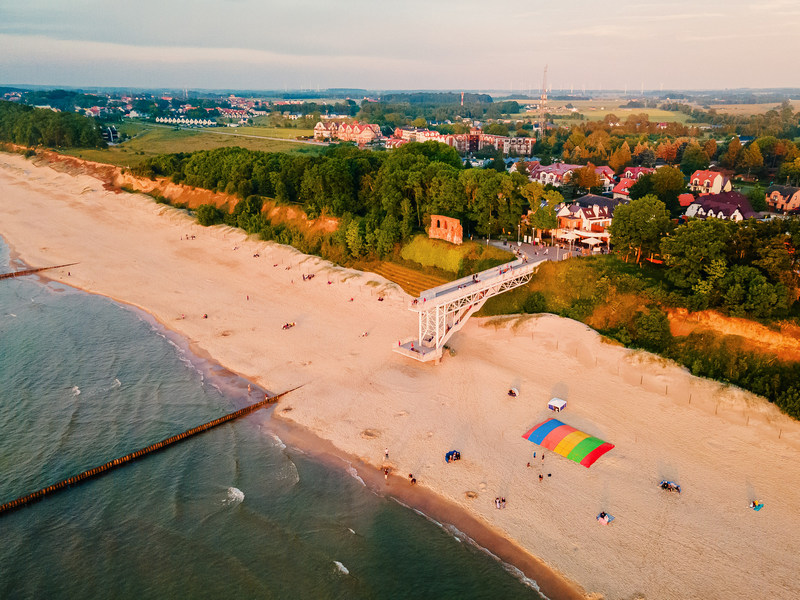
(443, 310)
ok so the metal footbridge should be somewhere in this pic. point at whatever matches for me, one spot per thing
(443, 310)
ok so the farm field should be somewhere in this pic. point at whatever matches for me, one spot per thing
(596, 110)
(165, 140)
(750, 109)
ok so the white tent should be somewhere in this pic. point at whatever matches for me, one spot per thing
(557, 404)
(591, 241)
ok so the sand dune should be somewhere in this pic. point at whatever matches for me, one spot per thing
(724, 446)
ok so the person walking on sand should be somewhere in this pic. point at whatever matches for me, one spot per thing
(386, 453)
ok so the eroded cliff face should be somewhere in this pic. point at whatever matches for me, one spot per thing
(118, 179)
(781, 340)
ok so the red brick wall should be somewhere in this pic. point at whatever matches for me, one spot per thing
(446, 228)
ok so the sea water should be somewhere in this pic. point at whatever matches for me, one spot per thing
(231, 513)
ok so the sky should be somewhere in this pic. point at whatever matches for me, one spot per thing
(408, 44)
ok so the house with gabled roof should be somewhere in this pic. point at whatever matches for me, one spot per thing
(709, 182)
(784, 198)
(621, 191)
(636, 172)
(730, 206)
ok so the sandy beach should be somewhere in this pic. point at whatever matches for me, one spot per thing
(724, 446)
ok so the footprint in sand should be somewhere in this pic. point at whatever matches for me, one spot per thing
(370, 434)
(482, 486)
(471, 495)
(225, 333)
(402, 413)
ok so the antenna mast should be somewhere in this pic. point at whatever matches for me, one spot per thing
(543, 107)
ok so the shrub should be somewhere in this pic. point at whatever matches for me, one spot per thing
(208, 214)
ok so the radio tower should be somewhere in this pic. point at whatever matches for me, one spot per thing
(543, 107)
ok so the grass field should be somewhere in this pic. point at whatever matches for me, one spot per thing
(285, 133)
(452, 258)
(151, 140)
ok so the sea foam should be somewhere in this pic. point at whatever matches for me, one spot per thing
(235, 496)
(342, 569)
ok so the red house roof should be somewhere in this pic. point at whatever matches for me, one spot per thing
(623, 185)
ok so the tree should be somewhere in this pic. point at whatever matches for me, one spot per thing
(750, 158)
(694, 158)
(621, 158)
(651, 330)
(542, 215)
(732, 153)
(639, 226)
(710, 148)
(758, 198)
(692, 248)
(668, 184)
(419, 122)
(646, 158)
(208, 214)
(586, 178)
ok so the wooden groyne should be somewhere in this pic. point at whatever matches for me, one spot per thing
(118, 462)
(32, 271)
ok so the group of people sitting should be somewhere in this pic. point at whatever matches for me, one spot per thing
(289, 325)
(670, 486)
(309, 277)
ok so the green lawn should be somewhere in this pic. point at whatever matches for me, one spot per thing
(152, 140)
(275, 132)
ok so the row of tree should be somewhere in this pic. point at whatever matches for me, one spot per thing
(389, 195)
(29, 126)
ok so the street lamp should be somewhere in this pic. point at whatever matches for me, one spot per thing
(488, 233)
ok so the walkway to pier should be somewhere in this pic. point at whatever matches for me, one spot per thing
(443, 310)
(118, 462)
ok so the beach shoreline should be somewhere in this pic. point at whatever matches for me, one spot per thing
(427, 503)
(361, 397)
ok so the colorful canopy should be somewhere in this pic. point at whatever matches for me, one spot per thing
(568, 441)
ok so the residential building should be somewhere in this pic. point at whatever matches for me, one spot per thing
(783, 198)
(360, 133)
(587, 218)
(607, 178)
(731, 206)
(709, 182)
(621, 191)
(685, 199)
(637, 172)
(554, 174)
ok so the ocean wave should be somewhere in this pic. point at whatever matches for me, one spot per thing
(351, 470)
(351, 530)
(76, 391)
(278, 441)
(341, 568)
(235, 496)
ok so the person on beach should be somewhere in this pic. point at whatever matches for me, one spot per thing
(386, 453)
(386, 474)
(541, 478)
